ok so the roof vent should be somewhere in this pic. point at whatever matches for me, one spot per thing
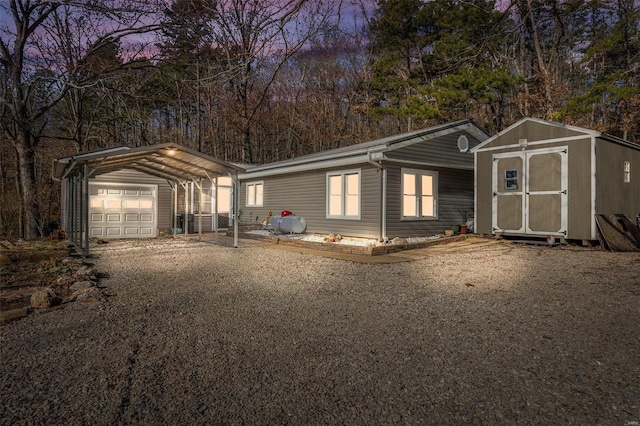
(463, 143)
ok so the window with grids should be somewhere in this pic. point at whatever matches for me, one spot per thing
(627, 171)
(343, 195)
(419, 194)
(255, 193)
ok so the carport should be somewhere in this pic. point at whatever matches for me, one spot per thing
(177, 165)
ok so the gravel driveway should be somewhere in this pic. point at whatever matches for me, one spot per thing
(194, 333)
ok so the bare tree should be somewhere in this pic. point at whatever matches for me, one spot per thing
(256, 39)
(42, 53)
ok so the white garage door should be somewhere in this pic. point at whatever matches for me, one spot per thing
(122, 210)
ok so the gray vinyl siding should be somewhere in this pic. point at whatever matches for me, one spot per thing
(455, 197)
(165, 200)
(455, 185)
(64, 193)
(305, 195)
(442, 150)
(613, 195)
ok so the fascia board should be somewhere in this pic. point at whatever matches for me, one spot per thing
(316, 165)
(312, 161)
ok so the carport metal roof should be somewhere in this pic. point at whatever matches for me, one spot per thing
(168, 161)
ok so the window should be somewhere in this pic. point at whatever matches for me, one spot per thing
(627, 171)
(343, 195)
(511, 179)
(419, 194)
(255, 191)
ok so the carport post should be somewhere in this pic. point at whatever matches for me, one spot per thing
(175, 207)
(72, 209)
(185, 222)
(85, 206)
(77, 226)
(67, 216)
(199, 185)
(214, 197)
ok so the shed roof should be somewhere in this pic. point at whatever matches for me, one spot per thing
(587, 132)
(168, 161)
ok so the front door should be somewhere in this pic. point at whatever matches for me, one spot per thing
(530, 192)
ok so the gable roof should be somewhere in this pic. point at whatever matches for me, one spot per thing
(586, 132)
(166, 161)
(359, 153)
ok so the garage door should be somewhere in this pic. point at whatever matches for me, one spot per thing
(122, 210)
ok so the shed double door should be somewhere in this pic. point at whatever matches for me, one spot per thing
(530, 192)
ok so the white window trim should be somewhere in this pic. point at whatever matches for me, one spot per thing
(343, 173)
(418, 173)
(252, 203)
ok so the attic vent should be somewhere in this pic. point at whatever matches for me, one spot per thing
(463, 143)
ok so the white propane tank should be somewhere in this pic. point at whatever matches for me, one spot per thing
(289, 224)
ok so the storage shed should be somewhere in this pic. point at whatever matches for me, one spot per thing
(539, 178)
(408, 185)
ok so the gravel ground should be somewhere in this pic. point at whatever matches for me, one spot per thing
(194, 333)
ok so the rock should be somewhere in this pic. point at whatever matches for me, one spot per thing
(90, 296)
(65, 281)
(333, 238)
(13, 315)
(45, 298)
(86, 273)
(4, 259)
(82, 285)
(71, 261)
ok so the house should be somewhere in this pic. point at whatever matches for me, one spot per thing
(414, 184)
(539, 178)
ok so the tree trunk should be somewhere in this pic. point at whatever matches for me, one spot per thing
(247, 153)
(544, 70)
(26, 153)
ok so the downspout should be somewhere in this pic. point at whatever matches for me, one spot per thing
(383, 207)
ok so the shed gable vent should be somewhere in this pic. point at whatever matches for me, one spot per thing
(463, 143)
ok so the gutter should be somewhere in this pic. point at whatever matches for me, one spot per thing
(376, 161)
(326, 164)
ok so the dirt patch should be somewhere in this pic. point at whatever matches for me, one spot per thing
(27, 266)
